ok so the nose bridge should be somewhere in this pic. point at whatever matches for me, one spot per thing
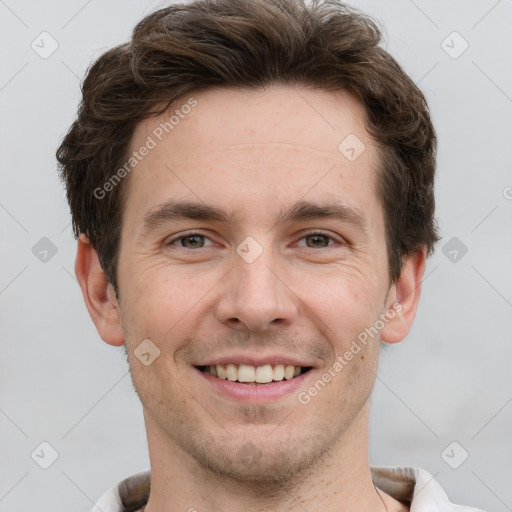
(254, 296)
(258, 278)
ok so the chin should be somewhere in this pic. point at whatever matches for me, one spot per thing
(260, 461)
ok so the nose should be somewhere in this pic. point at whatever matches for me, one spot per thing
(255, 296)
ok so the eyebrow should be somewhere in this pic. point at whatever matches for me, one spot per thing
(300, 211)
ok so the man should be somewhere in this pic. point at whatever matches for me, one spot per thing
(251, 185)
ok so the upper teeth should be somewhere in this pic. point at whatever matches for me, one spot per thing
(260, 374)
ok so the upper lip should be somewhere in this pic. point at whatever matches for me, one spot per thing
(253, 360)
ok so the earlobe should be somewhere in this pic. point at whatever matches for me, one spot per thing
(406, 293)
(98, 293)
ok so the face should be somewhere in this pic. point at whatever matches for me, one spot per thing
(250, 239)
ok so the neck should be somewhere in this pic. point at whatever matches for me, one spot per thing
(341, 481)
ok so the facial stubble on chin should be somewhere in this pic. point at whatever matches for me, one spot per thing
(265, 468)
(217, 456)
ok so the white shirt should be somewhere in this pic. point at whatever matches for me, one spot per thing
(415, 487)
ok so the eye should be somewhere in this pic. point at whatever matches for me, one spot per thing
(189, 241)
(318, 240)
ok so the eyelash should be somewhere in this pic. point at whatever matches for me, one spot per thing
(193, 233)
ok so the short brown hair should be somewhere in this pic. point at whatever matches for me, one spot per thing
(250, 44)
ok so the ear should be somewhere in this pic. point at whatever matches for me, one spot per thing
(98, 294)
(406, 293)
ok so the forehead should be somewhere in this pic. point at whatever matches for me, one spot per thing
(301, 116)
(251, 149)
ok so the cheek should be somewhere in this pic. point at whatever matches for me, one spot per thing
(160, 300)
(347, 300)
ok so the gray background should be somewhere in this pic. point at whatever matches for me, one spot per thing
(449, 381)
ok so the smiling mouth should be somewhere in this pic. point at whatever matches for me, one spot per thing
(248, 374)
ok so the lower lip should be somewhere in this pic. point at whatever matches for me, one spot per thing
(255, 393)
